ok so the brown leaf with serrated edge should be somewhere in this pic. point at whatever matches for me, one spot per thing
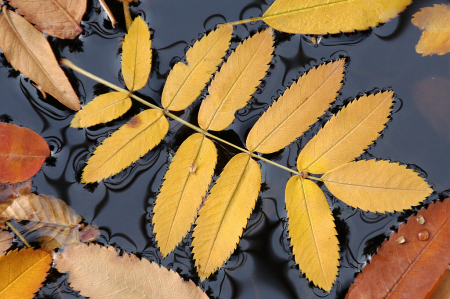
(409, 269)
(29, 52)
(58, 18)
(22, 153)
(11, 191)
(5, 240)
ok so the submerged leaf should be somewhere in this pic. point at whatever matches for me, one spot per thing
(377, 186)
(29, 52)
(297, 109)
(312, 232)
(99, 272)
(11, 191)
(223, 218)
(125, 146)
(182, 191)
(186, 81)
(236, 81)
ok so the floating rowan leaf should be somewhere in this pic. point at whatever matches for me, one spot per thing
(377, 186)
(347, 134)
(223, 218)
(11, 191)
(186, 81)
(29, 52)
(125, 146)
(297, 109)
(99, 272)
(236, 81)
(334, 16)
(411, 269)
(23, 272)
(137, 55)
(103, 108)
(435, 23)
(312, 232)
(5, 240)
(182, 191)
(22, 153)
(58, 18)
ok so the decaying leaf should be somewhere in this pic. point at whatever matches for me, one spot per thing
(223, 218)
(58, 18)
(297, 109)
(22, 153)
(186, 81)
(5, 240)
(99, 272)
(411, 269)
(182, 191)
(11, 191)
(236, 81)
(435, 24)
(125, 146)
(23, 272)
(29, 52)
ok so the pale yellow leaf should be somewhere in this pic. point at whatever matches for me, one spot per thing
(347, 134)
(331, 16)
(99, 272)
(377, 186)
(435, 22)
(236, 81)
(297, 109)
(186, 182)
(223, 218)
(29, 52)
(186, 81)
(23, 272)
(102, 109)
(312, 232)
(136, 55)
(5, 240)
(125, 146)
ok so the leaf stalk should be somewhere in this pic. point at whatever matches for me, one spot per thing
(17, 234)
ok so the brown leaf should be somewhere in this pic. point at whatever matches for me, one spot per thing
(58, 18)
(409, 269)
(11, 191)
(5, 240)
(442, 287)
(29, 52)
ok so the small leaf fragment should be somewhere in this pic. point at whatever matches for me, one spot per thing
(5, 240)
(11, 191)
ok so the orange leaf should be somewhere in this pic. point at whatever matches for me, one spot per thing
(22, 153)
(410, 263)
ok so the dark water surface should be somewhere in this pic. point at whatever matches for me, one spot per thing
(262, 265)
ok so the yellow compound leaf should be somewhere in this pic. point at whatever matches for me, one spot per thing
(297, 109)
(347, 134)
(23, 272)
(125, 146)
(435, 21)
(312, 232)
(330, 16)
(102, 109)
(377, 186)
(99, 272)
(186, 81)
(136, 55)
(236, 81)
(29, 52)
(186, 182)
(222, 220)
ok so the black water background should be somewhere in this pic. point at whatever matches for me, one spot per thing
(262, 265)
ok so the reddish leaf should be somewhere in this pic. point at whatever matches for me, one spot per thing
(10, 191)
(22, 153)
(414, 258)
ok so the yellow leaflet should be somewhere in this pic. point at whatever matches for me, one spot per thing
(297, 109)
(186, 182)
(223, 218)
(377, 186)
(331, 16)
(347, 134)
(102, 109)
(136, 55)
(23, 272)
(236, 81)
(125, 146)
(185, 82)
(312, 232)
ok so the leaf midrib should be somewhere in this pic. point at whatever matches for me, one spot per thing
(301, 9)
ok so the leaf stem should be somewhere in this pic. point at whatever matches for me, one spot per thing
(245, 21)
(127, 15)
(17, 234)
